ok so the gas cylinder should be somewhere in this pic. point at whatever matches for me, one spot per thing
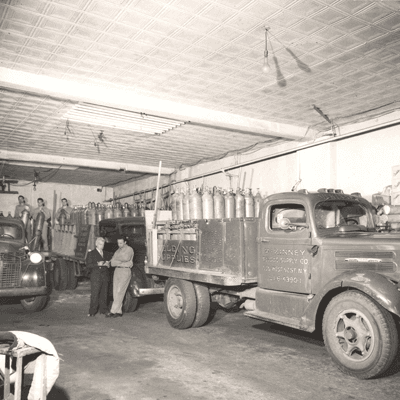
(208, 204)
(219, 204)
(133, 209)
(230, 204)
(179, 206)
(239, 204)
(257, 203)
(186, 205)
(72, 217)
(62, 218)
(109, 213)
(25, 218)
(173, 205)
(37, 230)
(248, 204)
(142, 209)
(195, 206)
(125, 211)
(99, 213)
(91, 214)
(86, 214)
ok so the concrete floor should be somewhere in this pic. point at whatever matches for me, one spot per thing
(141, 357)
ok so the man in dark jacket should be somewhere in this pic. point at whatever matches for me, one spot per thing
(97, 262)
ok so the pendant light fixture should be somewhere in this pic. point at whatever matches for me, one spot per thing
(266, 67)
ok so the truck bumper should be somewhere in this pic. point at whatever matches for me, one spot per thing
(147, 291)
(24, 292)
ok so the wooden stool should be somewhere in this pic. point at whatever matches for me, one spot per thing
(19, 354)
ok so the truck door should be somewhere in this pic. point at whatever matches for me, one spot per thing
(284, 237)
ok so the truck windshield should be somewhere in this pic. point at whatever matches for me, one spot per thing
(332, 214)
(10, 231)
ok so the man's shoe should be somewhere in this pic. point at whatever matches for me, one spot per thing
(116, 315)
(91, 315)
(109, 315)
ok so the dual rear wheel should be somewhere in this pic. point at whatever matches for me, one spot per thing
(186, 304)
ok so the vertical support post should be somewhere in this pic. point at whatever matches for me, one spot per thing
(7, 377)
(18, 380)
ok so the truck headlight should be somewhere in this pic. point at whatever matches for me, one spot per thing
(36, 258)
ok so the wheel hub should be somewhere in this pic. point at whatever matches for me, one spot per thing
(355, 335)
(175, 302)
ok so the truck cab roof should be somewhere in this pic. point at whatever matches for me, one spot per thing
(312, 198)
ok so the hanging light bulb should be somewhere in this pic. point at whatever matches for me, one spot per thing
(266, 67)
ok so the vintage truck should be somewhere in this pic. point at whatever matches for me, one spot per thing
(23, 273)
(310, 261)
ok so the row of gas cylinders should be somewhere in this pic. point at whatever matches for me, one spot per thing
(64, 240)
(92, 213)
(215, 203)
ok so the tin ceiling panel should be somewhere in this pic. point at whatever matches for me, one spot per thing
(340, 55)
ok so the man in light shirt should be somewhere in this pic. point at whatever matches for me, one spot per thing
(122, 260)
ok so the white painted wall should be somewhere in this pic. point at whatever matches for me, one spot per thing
(76, 195)
(360, 163)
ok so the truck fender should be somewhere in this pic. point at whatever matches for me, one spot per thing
(373, 284)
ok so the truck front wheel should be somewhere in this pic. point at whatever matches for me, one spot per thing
(34, 303)
(360, 335)
(180, 303)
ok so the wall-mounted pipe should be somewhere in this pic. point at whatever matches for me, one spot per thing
(271, 156)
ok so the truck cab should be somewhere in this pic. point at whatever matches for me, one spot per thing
(23, 273)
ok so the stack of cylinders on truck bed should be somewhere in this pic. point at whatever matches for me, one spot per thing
(214, 204)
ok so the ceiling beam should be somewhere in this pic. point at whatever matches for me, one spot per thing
(80, 162)
(129, 100)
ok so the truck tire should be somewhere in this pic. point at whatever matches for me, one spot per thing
(72, 279)
(180, 303)
(203, 305)
(56, 275)
(360, 335)
(130, 303)
(63, 271)
(33, 304)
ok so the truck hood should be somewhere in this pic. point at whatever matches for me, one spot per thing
(384, 241)
(360, 251)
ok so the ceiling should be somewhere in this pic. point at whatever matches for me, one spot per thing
(196, 62)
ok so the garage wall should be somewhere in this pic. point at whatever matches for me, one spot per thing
(76, 195)
(357, 164)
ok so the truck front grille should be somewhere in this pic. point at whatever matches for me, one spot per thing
(10, 269)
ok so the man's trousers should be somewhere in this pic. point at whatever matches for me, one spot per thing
(122, 277)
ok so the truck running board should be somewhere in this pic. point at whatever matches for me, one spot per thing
(265, 316)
